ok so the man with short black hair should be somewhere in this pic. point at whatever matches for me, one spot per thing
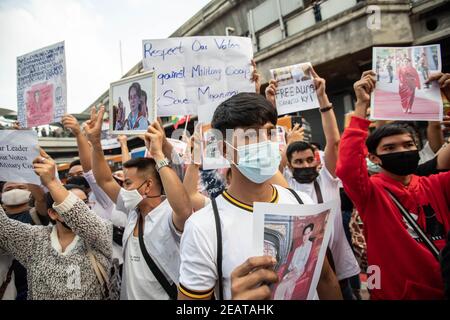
(152, 234)
(251, 120)
(406, 217)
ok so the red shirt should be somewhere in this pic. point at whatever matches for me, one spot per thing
(408, 270)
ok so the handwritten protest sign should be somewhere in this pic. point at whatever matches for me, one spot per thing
(18, 149)
(195, 74)
(41, 86)
(296, 90)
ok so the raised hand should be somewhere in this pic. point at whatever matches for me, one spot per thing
(443, 80)
(93, 127)
(122, 139)
(320, 85)
(71, 123)
(271, 92)
(45, 168)
(364, 87)
(295, 134)
(256, 77)
(154, 140)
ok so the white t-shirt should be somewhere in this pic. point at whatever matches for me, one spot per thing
(162, 242)
(198, 270)
(343, 257)
(141, 284)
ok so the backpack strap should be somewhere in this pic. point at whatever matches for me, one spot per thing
(171, 289)
(219, 247)
(296, 196)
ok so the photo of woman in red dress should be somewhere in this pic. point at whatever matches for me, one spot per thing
(408, 82)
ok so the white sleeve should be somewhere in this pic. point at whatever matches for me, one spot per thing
(343, 257)
(426, 153)
(198, 273)
(100, 196)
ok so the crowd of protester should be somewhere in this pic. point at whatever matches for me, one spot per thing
(147, 232)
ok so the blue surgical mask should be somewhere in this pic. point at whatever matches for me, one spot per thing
(372, 167)
(258, 162)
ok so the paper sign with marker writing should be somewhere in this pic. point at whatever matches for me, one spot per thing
(41, 86)
(195, 74)
(296, 90)
(18, 149)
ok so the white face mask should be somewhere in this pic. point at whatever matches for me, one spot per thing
(131, 198)
(15, 197)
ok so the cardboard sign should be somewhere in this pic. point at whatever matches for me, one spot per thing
(18, 149)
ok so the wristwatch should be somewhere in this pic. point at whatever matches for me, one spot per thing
(162, 163)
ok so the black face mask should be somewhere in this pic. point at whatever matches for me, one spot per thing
(400, 163)
(305, 175)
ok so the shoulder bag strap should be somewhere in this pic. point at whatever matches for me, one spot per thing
(296, 196)
(6, 282)
(318, 192)
(171, 289)
(219, 247)
(430, 245)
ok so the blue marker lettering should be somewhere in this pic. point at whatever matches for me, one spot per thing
(150, 52)
(198, 46)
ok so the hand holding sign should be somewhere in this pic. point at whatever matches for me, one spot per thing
(256, 77)
(271, 92)
(45, 168)
(71, 123)
(320, 85)
(247, 278)
(444, 82)
(363, 88)
(93, 128)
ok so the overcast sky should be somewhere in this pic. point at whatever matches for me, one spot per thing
(91, 30)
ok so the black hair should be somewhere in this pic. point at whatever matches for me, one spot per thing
(75, 163)
(137, 88)
(298, 146)
(243, 110)
(78, 181)
(309, 226)
(144, 165)
(387, 130)
(316, 144)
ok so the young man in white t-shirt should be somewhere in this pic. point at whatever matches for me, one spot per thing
(255, 159)
(162, 221)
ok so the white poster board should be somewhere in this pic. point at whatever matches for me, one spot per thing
(195, 74)
(401, 92)
(297, 237)
(41, 86)
(132, 104)
(18, 149)
(296, 90)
